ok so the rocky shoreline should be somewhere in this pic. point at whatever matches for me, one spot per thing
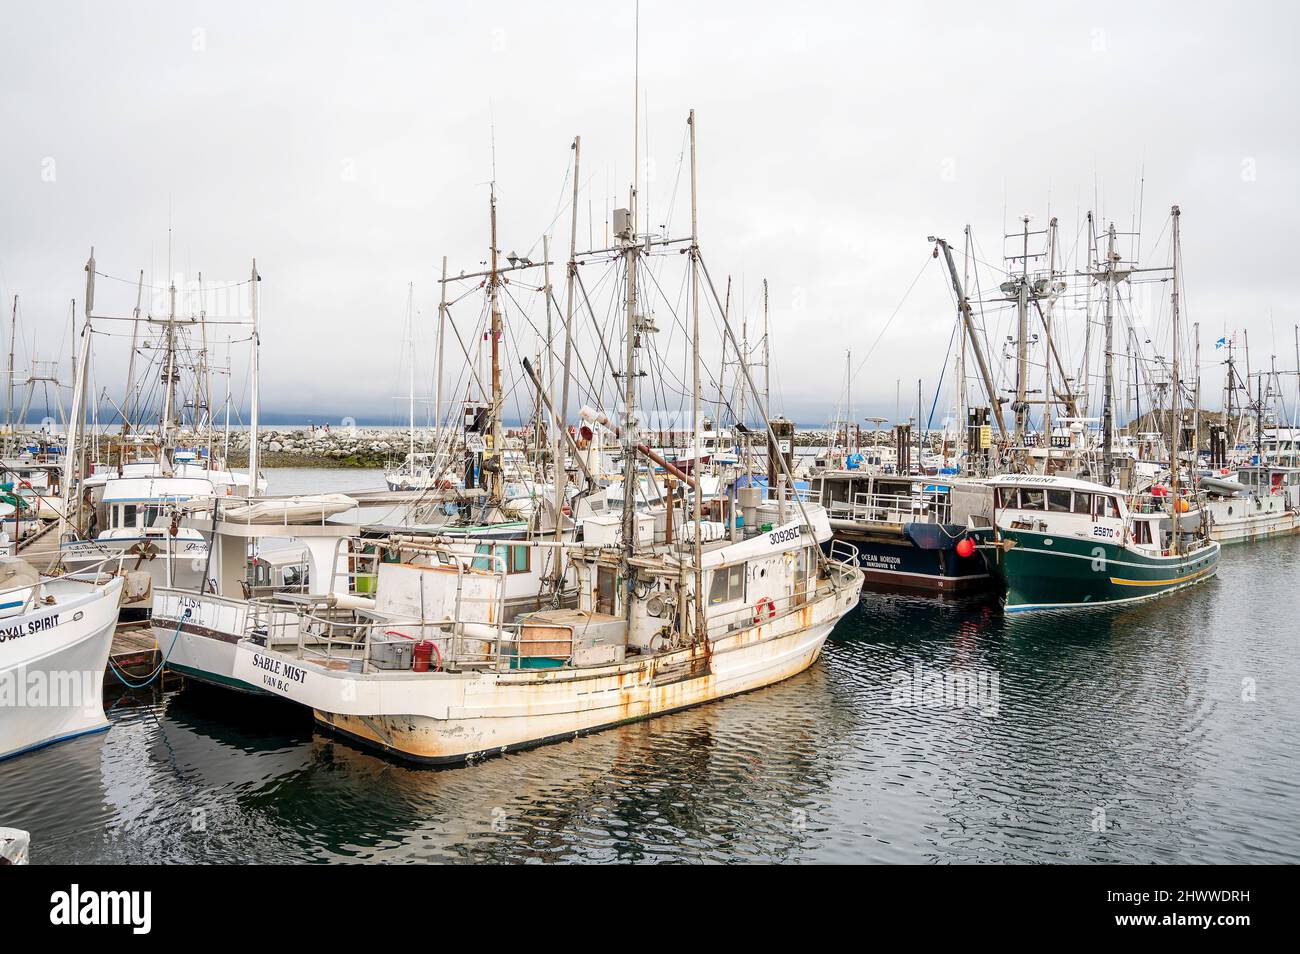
(344, 447)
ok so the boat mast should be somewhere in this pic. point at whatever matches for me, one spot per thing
(1196, 394)
(442, 331)
(71, 463)
(169, 390)
(131, 399)
(767, 356)
(1176, 408)
(963, 306)
(13, 337)
(697, 556)
(1022, 343)
(1087, 321)
(959, 406)
(1048, 393)
(495, 436)
(572, 275)
(1107, 390)
(631, 352)
(410, 330)
(254, 403)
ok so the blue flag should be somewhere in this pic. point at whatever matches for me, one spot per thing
(1220, 343)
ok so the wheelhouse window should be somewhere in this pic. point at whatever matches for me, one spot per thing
(519, 559)
(1031, 499)
(728, 584)
(1058, 501)
(1082, 504)
(1107, 506)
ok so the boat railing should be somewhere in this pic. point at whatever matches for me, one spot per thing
(224, 614)
(843, 552)
(926, 507)
(359, 641)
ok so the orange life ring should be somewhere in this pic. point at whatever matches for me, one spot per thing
(764, 605)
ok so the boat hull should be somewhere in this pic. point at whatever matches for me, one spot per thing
(898, 562)
(444, 718)
(1238, 521)
(1040, 571)
(197, 637)
(52, 664)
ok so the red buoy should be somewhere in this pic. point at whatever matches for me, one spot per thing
(965, 547)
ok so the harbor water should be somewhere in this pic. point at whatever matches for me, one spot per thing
(928, 732)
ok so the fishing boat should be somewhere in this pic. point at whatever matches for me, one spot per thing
(432, 675)
(1062, 543)
(147, 535)
(270, 548)
(55, 636)
(1252, 503)
(908, 532)
(674, 608)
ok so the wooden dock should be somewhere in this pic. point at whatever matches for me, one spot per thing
(134, 653)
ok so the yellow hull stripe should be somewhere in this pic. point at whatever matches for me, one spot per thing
(1182, 579)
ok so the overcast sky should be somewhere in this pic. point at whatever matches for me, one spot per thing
(347, 147)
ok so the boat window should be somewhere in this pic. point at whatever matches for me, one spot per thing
(128, 515)
(151, 514)
(1058, 501)
(1006, 496)
(1142, 531)
(1031, 499)
(519, 559)
(728, 584)
(1083, 504)
(1106, 506)
(483, 562)
(605, 590)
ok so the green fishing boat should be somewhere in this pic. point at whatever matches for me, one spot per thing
(1061, 543)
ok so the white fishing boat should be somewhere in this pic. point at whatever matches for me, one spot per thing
(674, 608)
(1253, 503)
(268, 548)
(147, 531)
(433, 675)
(55, 636)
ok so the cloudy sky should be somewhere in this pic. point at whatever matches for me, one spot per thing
(348, 147)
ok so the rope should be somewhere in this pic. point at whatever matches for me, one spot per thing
(153, 675)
